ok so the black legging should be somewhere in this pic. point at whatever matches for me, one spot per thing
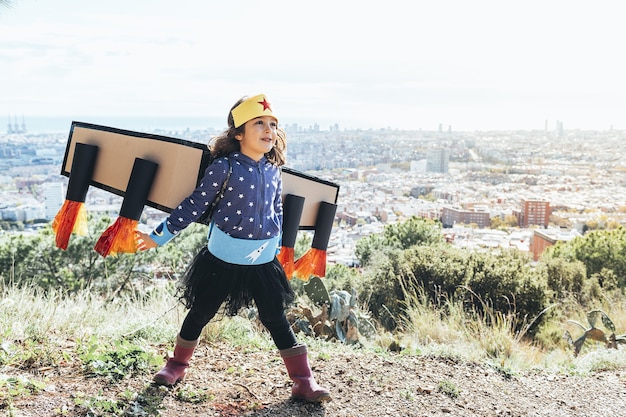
(211, 297)
(278, 326)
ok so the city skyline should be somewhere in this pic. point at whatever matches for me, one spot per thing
(177, 126)
(483, 65)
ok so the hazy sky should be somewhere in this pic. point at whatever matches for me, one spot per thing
(474, 65)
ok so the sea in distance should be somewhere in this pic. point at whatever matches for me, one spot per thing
(59, 124)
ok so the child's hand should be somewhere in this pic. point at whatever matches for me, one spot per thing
(144, 241)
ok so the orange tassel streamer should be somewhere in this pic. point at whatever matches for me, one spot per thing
(286, 259)
(120, 237)
(71, 218)
(312, 263)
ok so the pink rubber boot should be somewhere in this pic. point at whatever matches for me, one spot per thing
(304, 385)
(176, 366)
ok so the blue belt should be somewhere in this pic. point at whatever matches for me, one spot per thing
(241, 251)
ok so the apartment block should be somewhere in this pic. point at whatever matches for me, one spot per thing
(451, 216)
(534, 213)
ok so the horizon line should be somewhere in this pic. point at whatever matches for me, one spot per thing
(307, 124)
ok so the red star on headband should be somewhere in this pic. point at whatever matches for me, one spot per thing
(266, 105)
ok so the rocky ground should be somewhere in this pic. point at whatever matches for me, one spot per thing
(227, 381)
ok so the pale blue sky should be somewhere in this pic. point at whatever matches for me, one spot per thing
(406, 64)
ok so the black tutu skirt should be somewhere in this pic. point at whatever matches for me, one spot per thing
(208, 276)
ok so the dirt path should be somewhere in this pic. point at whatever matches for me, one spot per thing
(224, 381)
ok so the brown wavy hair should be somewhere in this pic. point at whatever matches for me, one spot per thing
(225, 142)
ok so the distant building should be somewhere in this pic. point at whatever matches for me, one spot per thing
(534, 213)
(542, 238)
(348, 218)
(418, 166)
(437, 160)
(15, 127)
(421, 190)
(53, 199)
(559, 128)
(22, 213)
(451, 216)
(32, 212)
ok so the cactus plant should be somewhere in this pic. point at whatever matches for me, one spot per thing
(593, 333)
(340, 315)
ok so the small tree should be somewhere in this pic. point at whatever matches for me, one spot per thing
(412, 232)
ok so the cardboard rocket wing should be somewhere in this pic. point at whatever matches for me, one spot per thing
(72, 217)
(181, 165)
(313, 262)
(120, 236)
(292, 212)
(181, 162)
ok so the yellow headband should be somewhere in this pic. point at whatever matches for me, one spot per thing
(256, 106)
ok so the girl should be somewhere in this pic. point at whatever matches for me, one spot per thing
(239, 263)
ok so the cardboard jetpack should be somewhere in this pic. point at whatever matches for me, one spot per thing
(160, 171)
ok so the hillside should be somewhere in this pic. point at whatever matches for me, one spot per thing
(228, 381)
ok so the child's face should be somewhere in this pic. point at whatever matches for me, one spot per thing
(258, 137)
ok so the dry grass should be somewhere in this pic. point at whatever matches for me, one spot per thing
(443, 330)
(449, 330)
